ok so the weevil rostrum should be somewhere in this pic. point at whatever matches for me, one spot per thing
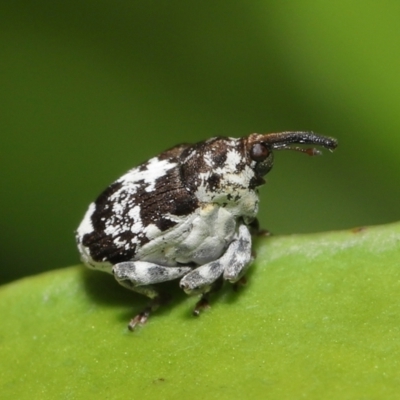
(187, 213)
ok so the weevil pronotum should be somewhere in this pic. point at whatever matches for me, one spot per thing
(187, 213)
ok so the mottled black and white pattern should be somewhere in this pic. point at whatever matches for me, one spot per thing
(185, 213)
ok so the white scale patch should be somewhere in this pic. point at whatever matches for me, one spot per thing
(86, 225)
(233, 158)
(155, 169)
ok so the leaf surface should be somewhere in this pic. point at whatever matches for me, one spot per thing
(318, 318)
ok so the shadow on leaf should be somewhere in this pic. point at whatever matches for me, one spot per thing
(103, 289)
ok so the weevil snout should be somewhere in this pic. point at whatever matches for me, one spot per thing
(260, 146)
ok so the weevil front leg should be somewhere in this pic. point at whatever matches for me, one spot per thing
(139, 276)
(203, 303)
(238, 256)
(255, 230)
(231, 266)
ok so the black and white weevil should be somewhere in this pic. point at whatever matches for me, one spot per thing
(186, 213)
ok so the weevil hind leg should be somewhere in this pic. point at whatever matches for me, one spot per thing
(139, 276)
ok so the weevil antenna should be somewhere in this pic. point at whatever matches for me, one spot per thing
(311, 151)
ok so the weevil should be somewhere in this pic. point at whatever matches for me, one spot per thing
(187, 213)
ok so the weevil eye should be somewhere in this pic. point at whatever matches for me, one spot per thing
(259, 152)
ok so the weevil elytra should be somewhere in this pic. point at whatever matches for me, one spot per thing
(186, 213)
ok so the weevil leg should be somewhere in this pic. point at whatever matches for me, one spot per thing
(142, 317)
(139, 276)
(255, 230)
(201, 280)
(203, 303)
(231, 266)
(238, 256)
(143, 273)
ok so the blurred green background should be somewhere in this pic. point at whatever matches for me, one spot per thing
(91, 88)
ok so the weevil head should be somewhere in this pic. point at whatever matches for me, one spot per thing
(260, 147)
(228, 171)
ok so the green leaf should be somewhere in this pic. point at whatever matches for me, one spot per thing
(319, 318)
